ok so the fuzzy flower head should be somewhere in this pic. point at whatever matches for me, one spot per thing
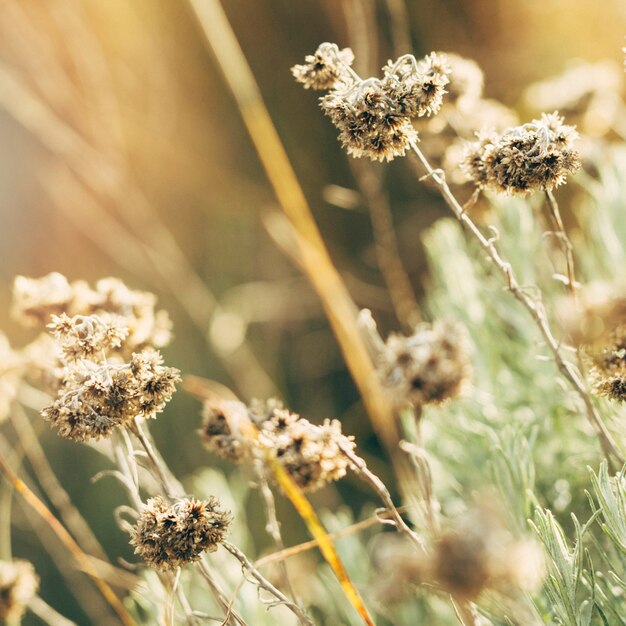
(97, 397)
(532, 157)
(311, 454)
(429, 367)
(416, 88)
(479, 553)
(36, 300)
(18, 586)
(374, 115)
(369, 124)
(168, 536)
(324, 69)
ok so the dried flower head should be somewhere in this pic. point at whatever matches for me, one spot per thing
(416, 88)
(369, 123)
(18, 586)
(481, 554)
(220, 433)
(96, 398)
(95, 395)
(168, 536)
(374, 116)
(429, 367)
(36, 300)
(324, 69)
(535, 156)
(310, 453)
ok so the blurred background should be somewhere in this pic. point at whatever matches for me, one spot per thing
(123, 154)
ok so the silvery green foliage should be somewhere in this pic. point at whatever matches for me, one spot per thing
(567, 583)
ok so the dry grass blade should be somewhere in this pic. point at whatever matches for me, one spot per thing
(308, 514)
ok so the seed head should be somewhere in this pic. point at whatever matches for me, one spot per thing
(168, 536)
(326, 68)
(535, 156)
(97, 397)
(481, 554)
(417, 88)
(18, 586)
(36, 300)
(429, 367)
(311, 454)
(369, 123)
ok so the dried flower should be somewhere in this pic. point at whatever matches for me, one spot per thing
(480, 554)
(168, 536)
(429, 367)
(95, 394)
(310, 453)
(96, 398)
(18, 586)
(369, 123)
(36, 300)
(325, 68)
(535, 156)
(415, 88)
(372, 115)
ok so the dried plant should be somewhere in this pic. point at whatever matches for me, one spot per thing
(496, 401)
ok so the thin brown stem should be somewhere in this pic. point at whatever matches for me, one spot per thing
(382, 491)
(263, 583)
(82, 559)
(273, 527)
(566, 244)
(386, 245)
(534, 306)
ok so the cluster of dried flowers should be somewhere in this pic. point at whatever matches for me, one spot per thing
(168, 536)
(533, 157)
(107, 369)
(18, 586)
(374, 116)
(311, 454)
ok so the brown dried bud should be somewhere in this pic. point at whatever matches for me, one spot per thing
(311, 454)
(324, 69)
(532, 157)
(429, 367)
(168, 536)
